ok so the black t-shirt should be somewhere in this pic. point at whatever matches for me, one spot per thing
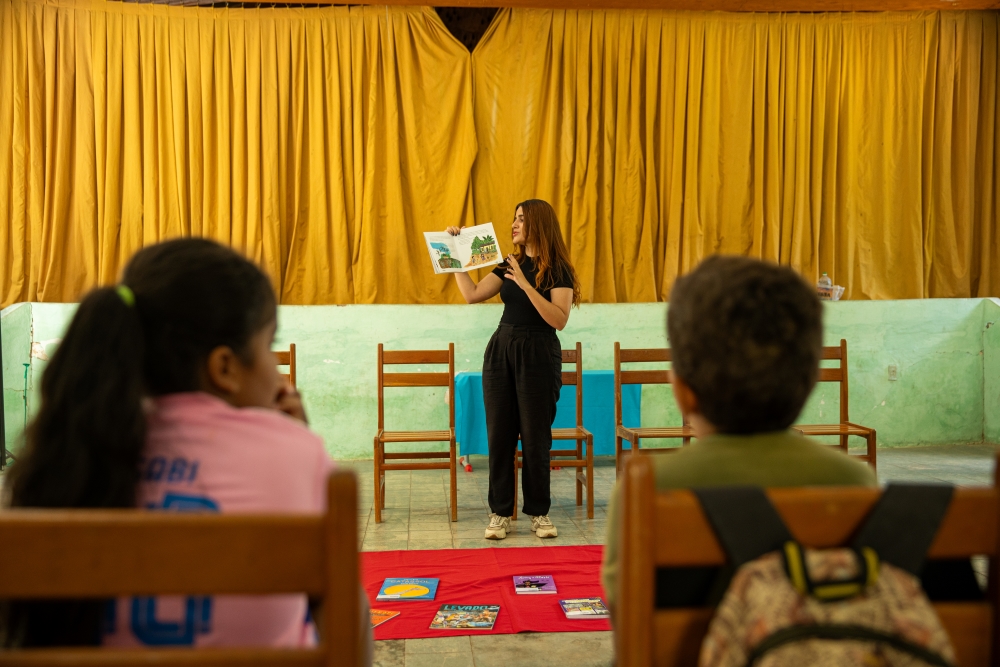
(517, 307)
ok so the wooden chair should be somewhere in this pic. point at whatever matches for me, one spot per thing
(635, 434)
(288, 359)
(388, 357)
(110, 553)
(845, 428)
(669, 529)
(571, 458)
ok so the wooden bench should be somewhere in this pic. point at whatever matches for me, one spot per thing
(845, 428)
(100, 554)
(669, 529)
(634, 434)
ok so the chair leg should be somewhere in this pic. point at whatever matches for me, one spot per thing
(514, 515)
(872, 451)
(378, 483)
(618, 456)
(381, 450)
(590, 477)
(454, 489)
(579, 484)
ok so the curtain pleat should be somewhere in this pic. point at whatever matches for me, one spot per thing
(861, 145)
(320, 142)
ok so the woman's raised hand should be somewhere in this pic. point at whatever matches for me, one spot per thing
(454, 231)
(515, 273)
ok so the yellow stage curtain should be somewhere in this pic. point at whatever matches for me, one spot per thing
(862, 145)
(319, 141)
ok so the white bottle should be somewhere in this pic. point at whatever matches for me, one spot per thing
(825, 287)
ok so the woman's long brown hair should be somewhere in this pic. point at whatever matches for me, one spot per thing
(541, 229)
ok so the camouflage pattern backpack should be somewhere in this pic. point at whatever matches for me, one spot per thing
(790, 606)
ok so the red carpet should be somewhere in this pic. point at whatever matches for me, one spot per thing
(484, 576)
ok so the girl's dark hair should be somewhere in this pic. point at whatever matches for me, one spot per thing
(180, 300)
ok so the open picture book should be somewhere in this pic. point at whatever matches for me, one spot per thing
(474, 248)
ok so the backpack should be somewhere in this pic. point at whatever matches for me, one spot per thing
(790, 606)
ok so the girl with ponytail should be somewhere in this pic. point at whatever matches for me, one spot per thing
(164, 393)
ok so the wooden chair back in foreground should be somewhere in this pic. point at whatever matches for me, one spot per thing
(112, 553)
(571, 458)
(668, 529)
(415, 460)
(287, 358)
(845, 428)
(635, 434)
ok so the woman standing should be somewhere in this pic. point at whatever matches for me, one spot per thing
(522, 368)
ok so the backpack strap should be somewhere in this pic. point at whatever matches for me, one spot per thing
(744, 521)
(903, 524)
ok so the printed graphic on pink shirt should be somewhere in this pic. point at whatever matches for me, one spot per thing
(206, 456)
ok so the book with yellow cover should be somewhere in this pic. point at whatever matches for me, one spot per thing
(408, 589)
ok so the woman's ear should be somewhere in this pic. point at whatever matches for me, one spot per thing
(223, 371)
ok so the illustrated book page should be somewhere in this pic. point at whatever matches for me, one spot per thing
(474, 248)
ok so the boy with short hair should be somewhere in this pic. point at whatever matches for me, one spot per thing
(746, 338)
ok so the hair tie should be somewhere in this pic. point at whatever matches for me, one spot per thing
(126, 294)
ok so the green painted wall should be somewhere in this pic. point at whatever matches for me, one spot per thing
(991, 370)
(937, 345)
(15, 322)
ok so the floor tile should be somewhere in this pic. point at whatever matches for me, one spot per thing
(580, 649)
(390, 653)
(439, 660)
(438, 645)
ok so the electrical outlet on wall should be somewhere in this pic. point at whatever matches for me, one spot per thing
(893, 373)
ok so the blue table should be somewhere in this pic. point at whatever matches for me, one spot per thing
(598, 410)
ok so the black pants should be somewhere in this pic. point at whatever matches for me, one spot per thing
(522, 376)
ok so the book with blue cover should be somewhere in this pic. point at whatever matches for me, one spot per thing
(408, 589)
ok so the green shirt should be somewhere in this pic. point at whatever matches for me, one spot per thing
(782, 458)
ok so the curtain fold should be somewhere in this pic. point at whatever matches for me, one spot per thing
(320, 142)
(862, 145)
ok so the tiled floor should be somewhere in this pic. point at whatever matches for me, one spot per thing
(416, 517)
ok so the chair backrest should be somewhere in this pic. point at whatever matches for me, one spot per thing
(112, 553)
(837, 374)
(669, 529)
(287, 358)
(635, 355)
(575, 377)
(420, 379)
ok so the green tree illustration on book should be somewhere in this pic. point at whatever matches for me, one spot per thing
(483, 250)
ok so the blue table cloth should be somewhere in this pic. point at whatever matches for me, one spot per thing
(598, 410)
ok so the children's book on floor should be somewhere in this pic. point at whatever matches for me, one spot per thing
(584, 608)
(408, 589)
(465, 617)
(534, 584)
(380, 616)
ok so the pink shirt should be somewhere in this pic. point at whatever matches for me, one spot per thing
(204, 455)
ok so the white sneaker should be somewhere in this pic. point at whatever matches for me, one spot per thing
(542, 526)
(499, 525)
